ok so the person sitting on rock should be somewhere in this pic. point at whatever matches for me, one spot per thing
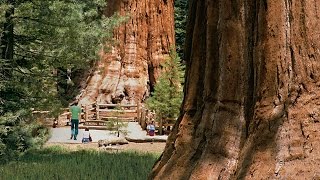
(151, 128)
(86, 136)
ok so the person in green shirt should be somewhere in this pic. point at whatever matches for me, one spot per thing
(75, 116)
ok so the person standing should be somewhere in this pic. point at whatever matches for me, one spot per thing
(75, 114)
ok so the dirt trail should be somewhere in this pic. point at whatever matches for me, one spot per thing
(61, 137)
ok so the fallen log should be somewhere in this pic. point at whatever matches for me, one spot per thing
(147, 139)
(113, 141)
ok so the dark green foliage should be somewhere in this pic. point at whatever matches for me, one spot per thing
(57, 163)
(180, 15)
(167, 97)
(47, 35)
(37, 37)
(18, 134)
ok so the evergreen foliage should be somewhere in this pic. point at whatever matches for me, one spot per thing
(167, 97)
(180, 15)
(116, 125)
(37, 37)
(47, 35)
(18, 133)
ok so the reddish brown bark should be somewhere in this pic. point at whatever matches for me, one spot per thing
(127, 74)
(251, 106)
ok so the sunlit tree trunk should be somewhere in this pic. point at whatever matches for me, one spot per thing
(251, 106)
(128, 73)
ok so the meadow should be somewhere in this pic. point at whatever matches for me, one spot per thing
(57, 163)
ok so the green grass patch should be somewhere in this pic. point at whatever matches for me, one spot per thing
(59, 163)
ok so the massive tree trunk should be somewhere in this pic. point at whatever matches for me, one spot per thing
(252, 93)
(129, 72)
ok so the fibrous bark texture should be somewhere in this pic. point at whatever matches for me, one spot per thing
(252, 93)
(128, 73)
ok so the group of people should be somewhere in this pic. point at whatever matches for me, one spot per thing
(75, 111)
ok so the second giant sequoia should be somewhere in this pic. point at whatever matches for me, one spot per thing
(128, 73)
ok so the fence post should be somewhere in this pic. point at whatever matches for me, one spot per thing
(86, 113)
(97, 111)
(143, 119)
(138, 112)
(160, 126)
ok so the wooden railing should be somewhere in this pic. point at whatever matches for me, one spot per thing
(99, 114)
(105, 111)
(163, 126)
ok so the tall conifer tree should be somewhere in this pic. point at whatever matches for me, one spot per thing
(167, 97)
(36, 38)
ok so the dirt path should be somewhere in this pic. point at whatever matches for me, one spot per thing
(134, 132)
(61, 137)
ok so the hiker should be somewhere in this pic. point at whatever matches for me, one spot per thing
(151, 128)
(86, 136)
(75, 114)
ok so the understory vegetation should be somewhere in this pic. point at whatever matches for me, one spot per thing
(58, 163)
(168, 94)
(180, 21)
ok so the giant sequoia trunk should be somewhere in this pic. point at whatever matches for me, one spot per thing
(128, 73)
(252, 93)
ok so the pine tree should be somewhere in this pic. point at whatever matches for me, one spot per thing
(37, 37)
(40, 36)
(167, 97)
(115, 123)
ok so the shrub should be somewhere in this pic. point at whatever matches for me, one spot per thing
(18, 133)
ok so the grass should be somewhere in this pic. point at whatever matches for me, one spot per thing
(58, 163)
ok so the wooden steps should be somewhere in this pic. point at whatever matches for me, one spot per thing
(122, 119)
(95, 123)
(104, 121)
(93, 127)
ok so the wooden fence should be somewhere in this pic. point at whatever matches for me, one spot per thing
(98, 115)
